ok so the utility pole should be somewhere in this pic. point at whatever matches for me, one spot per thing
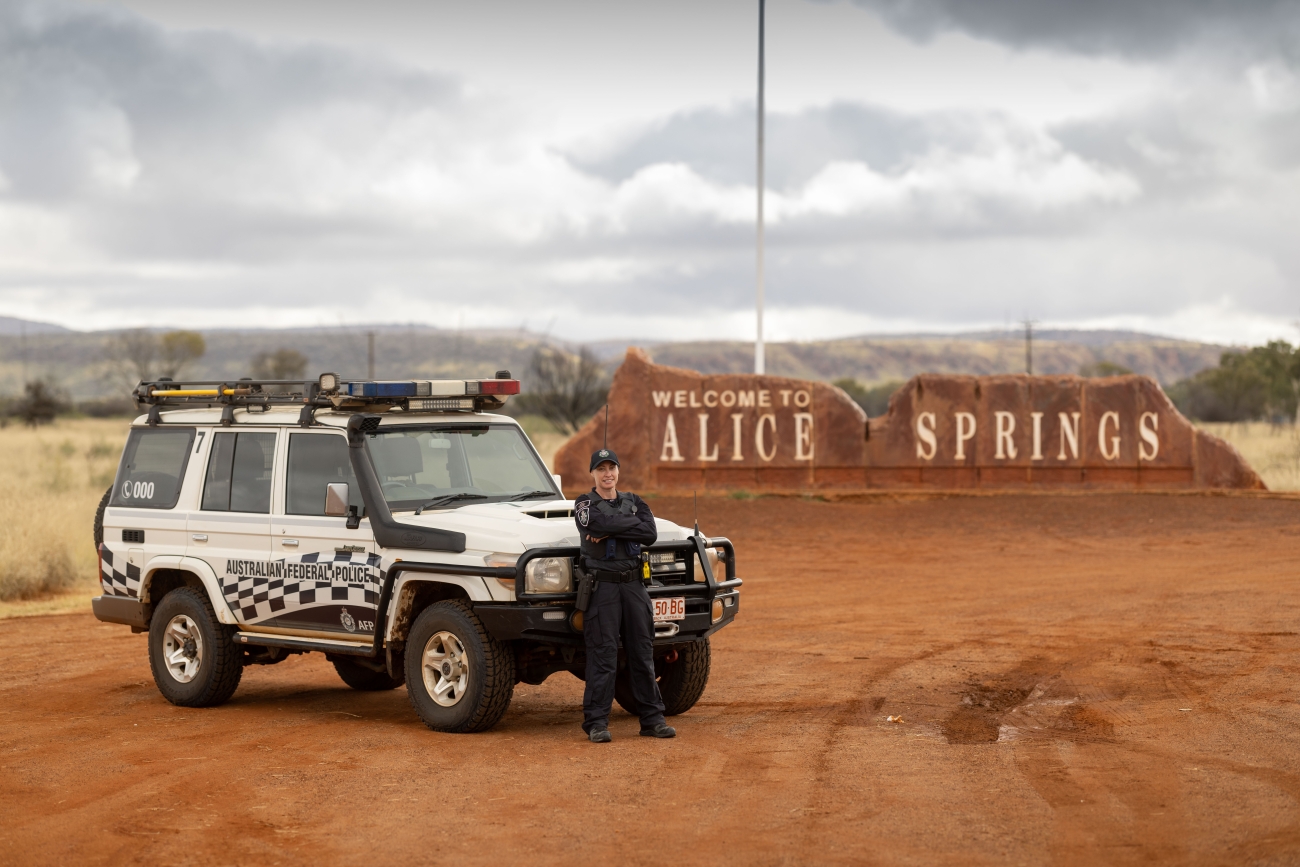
(370, 354)
(1029, 345)
(23, 327)
(759, 361)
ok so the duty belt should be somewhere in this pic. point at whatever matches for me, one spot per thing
(616, 577)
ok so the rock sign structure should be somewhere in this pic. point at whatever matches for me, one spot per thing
(678, 430)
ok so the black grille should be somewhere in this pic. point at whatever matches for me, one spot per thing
(136, 536)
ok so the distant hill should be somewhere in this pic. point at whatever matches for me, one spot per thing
(17, 327)
(876, 359)
(80, 361)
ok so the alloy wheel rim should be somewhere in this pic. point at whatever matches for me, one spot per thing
(445, 667)
(183, 648)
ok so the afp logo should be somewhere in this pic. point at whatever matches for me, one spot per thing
(351, 624)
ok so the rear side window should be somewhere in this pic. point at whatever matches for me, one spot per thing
(317, 460)
(152, 468)
(239, 472)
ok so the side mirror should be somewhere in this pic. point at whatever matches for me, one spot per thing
(336, 500)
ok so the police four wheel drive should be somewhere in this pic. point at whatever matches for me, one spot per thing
(397, 527)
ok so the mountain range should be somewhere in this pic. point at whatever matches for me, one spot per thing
(82, 362)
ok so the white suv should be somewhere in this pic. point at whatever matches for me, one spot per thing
(255, 520)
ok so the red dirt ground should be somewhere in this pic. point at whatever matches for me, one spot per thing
(1105, 679)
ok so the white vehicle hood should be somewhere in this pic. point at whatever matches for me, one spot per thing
(508, 528)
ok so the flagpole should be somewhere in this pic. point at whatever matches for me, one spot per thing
(759, 360)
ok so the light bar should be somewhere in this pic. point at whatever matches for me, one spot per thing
(432, 388)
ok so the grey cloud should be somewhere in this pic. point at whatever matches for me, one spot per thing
(1143, 29)
(91, 84)
(720, 143)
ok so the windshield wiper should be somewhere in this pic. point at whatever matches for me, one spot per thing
(449, 498)
(531, 495)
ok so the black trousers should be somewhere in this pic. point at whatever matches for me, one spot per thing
(616, 608)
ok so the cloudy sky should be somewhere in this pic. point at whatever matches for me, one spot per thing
(587, 168)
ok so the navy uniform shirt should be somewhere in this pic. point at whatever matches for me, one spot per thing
(623, 525)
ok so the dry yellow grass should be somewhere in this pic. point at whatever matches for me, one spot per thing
(1272, 450)
(53, 477)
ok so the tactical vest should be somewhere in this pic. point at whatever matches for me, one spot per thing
(613, 553)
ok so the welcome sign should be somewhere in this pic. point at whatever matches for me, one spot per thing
(677, 429)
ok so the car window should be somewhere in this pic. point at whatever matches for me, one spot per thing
(239, 472)
(315, 461)
(417, 464)
(153, 465)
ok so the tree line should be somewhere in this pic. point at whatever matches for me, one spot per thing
(1262, 383)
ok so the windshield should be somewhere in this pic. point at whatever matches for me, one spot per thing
(485, 463)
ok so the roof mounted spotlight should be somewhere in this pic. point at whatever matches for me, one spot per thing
(328, 382)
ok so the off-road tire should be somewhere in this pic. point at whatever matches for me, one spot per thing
(490, 679)
(220, 664)
(99, 517)
(364, 679)
(681, 683)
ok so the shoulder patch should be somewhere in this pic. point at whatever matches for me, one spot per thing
(582, 511)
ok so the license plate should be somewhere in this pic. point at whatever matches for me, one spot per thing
(672, 608)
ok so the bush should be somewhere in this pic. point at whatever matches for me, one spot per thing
(40, 403)
(1261, 383)
(874, 400)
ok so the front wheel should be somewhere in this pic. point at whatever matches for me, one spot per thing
(459, 678)
(682, 677)
(194, 659)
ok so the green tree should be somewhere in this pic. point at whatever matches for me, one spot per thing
(564, 388)
(282, 364)
(176, 349)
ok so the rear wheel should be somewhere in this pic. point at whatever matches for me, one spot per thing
(681, 681)
(365, 679)
(99, 518)
(194, 658)
(459, 678)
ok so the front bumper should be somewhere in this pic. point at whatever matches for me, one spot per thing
(513, 621)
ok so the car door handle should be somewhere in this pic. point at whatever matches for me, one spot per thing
(199, 537)
(289, 543)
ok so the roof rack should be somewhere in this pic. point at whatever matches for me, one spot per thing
(411, 395)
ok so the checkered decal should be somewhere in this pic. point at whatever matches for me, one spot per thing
(118, 577)
(253, 598)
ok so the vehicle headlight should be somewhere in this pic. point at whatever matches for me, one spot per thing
(549, 575)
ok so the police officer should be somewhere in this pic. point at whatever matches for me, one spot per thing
(613, 527)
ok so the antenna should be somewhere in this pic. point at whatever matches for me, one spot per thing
(696, 498)
(606, 445)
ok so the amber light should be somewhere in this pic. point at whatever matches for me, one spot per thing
(717, 610)
(575, 620)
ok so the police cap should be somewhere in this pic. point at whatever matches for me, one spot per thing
(600, 456)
